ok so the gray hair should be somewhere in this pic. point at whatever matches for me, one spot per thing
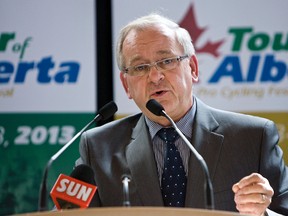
(182, 35)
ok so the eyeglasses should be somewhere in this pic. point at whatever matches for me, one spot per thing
(162, 65)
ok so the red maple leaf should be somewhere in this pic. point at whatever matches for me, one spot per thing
(190, 24)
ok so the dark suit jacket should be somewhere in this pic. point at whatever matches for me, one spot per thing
(233, 146)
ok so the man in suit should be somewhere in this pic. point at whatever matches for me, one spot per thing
(157, 61)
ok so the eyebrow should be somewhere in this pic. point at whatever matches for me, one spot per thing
(161, 52)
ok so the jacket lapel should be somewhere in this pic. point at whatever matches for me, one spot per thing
(208, 144)
(140, 159)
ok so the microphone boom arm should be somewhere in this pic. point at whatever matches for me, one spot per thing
(209, 188)
(105, 112)
(43, 188)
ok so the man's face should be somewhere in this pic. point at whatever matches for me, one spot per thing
(173, 88)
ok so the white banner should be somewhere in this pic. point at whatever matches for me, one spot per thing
(47, 92)
(47, 56)
(242, 48)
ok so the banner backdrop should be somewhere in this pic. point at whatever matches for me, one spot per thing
(47, 92)
(242, 49)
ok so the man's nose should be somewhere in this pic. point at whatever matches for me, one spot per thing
(155, 75)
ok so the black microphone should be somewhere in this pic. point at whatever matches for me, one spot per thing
(76, 190)
(105, 112)
(157, 109)
(125, 181)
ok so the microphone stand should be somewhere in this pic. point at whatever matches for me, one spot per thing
(208, 185)
(105, 112)
(126, 199)
(157, 109)
(42, 205)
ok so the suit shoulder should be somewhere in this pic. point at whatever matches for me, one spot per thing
(233, 118)
(119, 125)
(243, 118)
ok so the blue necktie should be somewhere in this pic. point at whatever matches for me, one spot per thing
(173, 183)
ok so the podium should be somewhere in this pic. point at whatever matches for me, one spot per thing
(139, 211)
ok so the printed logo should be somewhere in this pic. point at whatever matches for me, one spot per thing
(190, 24)
(255, 58)
(42, 71)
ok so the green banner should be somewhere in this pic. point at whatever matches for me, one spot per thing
(27, 141)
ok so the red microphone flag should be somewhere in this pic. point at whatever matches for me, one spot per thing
(69, 192)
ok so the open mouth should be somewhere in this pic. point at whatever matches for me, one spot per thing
(159, 93)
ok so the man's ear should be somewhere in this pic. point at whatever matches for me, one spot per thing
(123, 79)
(194, 68)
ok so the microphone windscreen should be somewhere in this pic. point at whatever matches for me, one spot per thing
(108, 110)
(83, 173)
(155, 107)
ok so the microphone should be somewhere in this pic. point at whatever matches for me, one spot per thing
(76, 190)
(126, 199)
(157, 109)
(105, 112)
